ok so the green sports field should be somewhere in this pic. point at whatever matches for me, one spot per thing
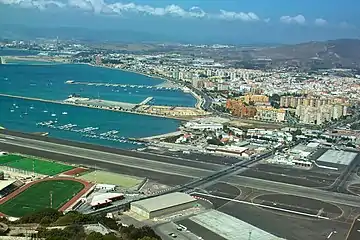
(37, 197)
(30, 164)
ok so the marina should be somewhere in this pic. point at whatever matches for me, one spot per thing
(28, 104)
(108, 128)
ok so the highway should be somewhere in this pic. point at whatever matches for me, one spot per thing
(164, 171)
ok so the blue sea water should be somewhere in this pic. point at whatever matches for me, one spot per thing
(23, 115)
(47, 82)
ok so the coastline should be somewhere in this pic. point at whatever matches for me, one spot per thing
(49, 59)
(100, 108)
(199, 100)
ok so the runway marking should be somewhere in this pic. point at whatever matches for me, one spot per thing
(264, 206)
(233, 198)
(342, 211)
(352, 225)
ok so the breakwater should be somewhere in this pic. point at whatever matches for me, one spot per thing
(95, 104)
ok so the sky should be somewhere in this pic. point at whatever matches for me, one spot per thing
(216, 21)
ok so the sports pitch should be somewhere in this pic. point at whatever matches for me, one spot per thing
(111, 178)
(33, 164)
(38, 196)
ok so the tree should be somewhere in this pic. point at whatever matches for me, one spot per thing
(147, 238)
(50, 215)
(95, 236)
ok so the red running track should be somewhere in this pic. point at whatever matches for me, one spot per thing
(75, 171)
(87, 186)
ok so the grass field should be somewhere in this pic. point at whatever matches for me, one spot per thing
(37, 197)
(111, 178)
(27, 164)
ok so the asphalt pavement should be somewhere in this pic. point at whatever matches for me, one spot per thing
(354, 233)
(157, 169)
(105, 157)
(278, 187)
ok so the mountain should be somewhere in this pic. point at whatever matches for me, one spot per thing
(333, 53)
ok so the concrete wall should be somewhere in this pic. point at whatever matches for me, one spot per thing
(140, 211)
(171, 210)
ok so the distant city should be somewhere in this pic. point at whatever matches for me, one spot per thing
(269, 136)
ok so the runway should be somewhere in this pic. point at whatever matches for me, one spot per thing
(171, 171)
(105, 157)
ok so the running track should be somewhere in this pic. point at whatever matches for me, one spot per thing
(87, 186)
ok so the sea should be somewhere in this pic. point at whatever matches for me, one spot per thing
(47, 81)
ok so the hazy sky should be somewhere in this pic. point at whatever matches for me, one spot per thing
(242, 21)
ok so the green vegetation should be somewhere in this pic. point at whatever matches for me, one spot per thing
(39, 196)
(111, 178)
(34, 164)
(74, 229)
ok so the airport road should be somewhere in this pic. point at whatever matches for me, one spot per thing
(354, 232)
(284, 188)
(97, 156)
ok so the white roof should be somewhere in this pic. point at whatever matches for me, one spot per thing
(337, 157)
(104, 198)
(163, 201)
(313, 145)
(6, 183)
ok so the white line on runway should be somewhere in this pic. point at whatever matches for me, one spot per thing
(77, 149)
(263, 206)
(105, 161)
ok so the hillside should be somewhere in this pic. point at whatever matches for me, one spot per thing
(333, 53)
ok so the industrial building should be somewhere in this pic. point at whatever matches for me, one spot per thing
(163, 205)
(336, 158)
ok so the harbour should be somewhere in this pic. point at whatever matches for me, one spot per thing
(37, 102)
(183, 113)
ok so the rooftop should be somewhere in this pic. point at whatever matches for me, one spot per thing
(337, 157)
(5, 183)
(164, 201)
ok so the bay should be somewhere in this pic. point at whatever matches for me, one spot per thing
(48, 82)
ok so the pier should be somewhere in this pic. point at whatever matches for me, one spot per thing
(146, 101)
(97, 84)
(2, 60)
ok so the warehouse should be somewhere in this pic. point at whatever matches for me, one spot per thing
(163, 205)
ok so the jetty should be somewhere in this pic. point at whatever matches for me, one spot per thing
(2, 60)
(166, 135)
(97, 84)
(146, 101)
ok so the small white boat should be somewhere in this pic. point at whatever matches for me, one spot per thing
(12, 110)
(45, 111)
(64, 113)
(53, 115)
